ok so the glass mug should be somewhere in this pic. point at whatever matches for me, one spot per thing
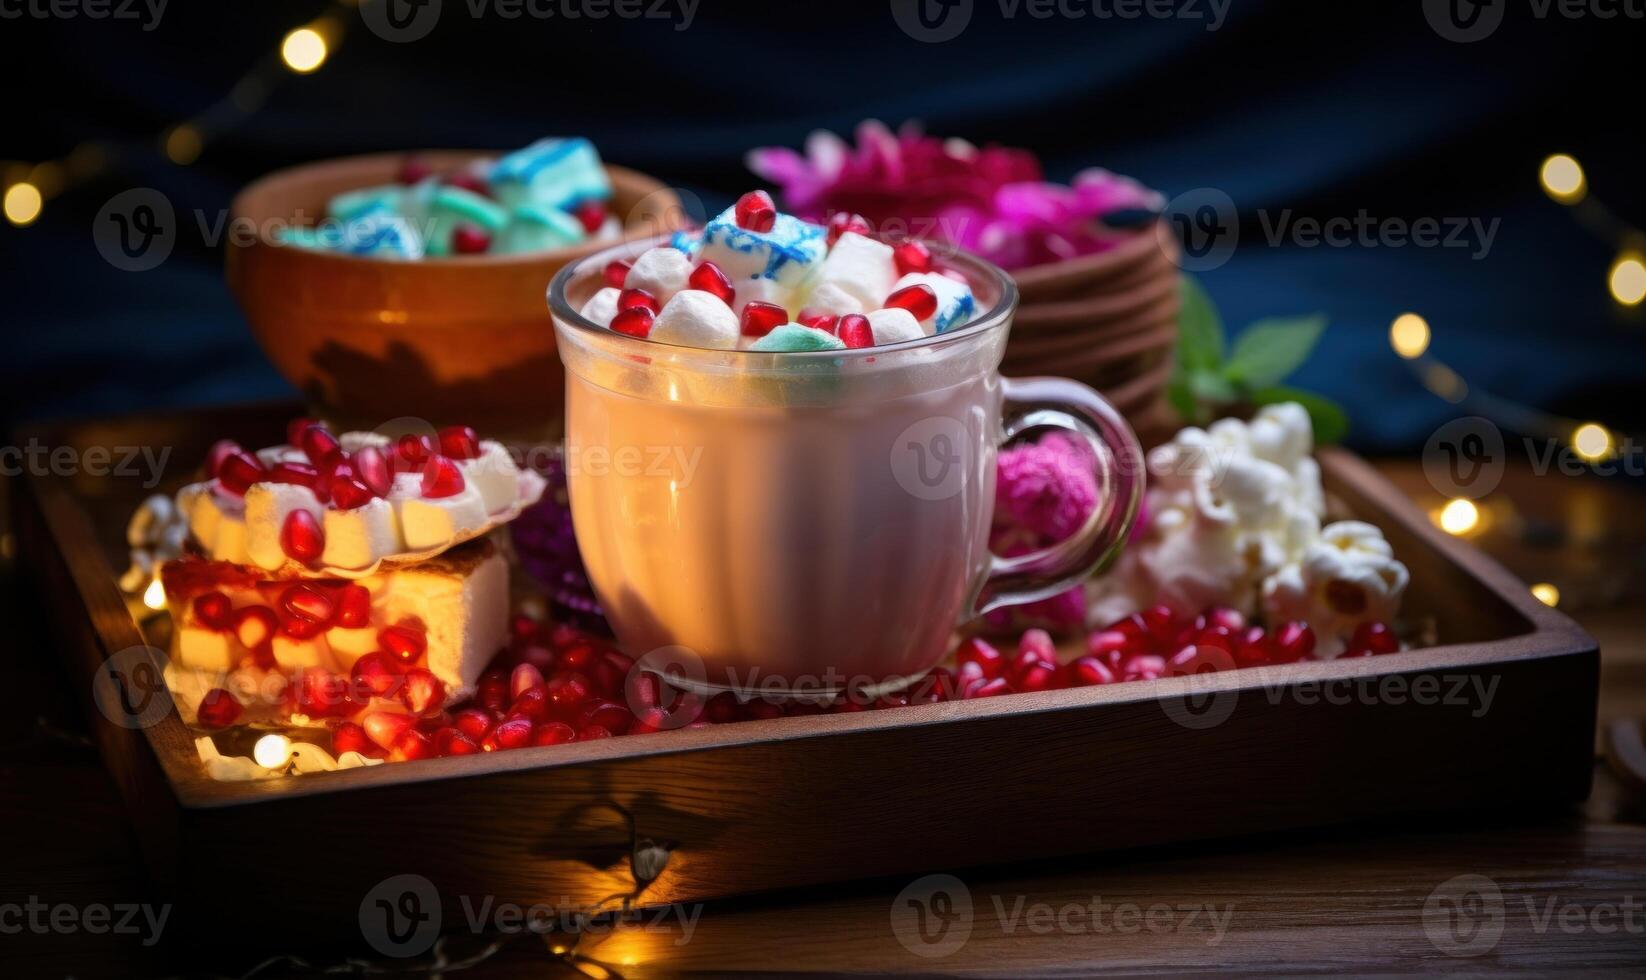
(806, 523)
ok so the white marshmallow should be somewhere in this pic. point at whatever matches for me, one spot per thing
(602, 306)
(267, 506)
(694, 318)
(232, 541)
(829, 298)
(764, 290)
(430, 523)
(494, 475)
(894, 326)
(660, 271)
(861, 266)
(281, 454)
(955, 304)
(788, 254)
(466, 616)
(294, 654)
(199, 648)
(353, 441)
(357, 538)
(349, 644)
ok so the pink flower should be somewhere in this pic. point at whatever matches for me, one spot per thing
(991, 200)
(1043, 493)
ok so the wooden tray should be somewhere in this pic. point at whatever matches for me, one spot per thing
(795, 801)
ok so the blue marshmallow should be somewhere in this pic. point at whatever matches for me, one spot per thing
(561, 173)
(787, 254)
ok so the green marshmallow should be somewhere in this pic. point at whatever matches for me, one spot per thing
(350, 205)
(792, 337)
(453, 206)
(538, 228)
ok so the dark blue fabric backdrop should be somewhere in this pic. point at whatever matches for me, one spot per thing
(1324, 109)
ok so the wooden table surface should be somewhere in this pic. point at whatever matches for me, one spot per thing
(1548, 891)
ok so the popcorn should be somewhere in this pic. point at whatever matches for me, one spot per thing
(955, 304)
(893, 326)
(694, 318)
(787, 254)
(794, 337)
(602, 306)
(660, 271)
(860, 267)
(561, 173)
(1347, 577)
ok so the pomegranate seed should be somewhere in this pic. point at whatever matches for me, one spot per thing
(523, 628)
(723, 708)
(989, 689)
(843, 221)
(300, 629)
(1143, 667)
(845, 704)
(474, 722)
(1197, 660)
(214, 611)
(911, 256)
(468, 181)
(1291, 642)
(450, 741)
(1376, 637)
(238, 471)
(372, 467)
(353, 606)
(349, 737)
(1230, 619)
(553, 733)
(854, 330)
(442, 478)
(296, 427)
(218, 709)
(935, 687)
(977, 651)
(383, 727)
(469, 240)
(817, 321)
(589, 733)
(493, 690)
(710, 279)
(567, 691)
(220, 450)
(1134, 630)
(591, 215)
(524, 676)
(1089, 671)
(1219, 638)
(254, 626)
(760, 318)
(634, 322)
(763, 710)
(1108, 646)
(319, 445)
(308, 603)
(538, 656)
(318, 693)
(970, 674)
(630, 299)
(755, 212)
(532, 703)
(301, 538)
(412, 451)
(348, 493)
(1037, 644)
(607, 714)
(513, 734)
(459, 442)
(375, 675)
(615, 273)
(1035, 676)
(422, 691)
(1252, 647)
(405, 641)
(297, 474)
(611, 672)
(918, 299)
(413, 170)
(648, 722)
(410, 746)
(1162, 626)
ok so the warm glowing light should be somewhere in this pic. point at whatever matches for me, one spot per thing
(272, 751)
(1592, 441)
(303, 50)
(1459, 516)
(1443, 381)
(1628, 280)
(1562, 178)
(183, 144)
(23, 202)
(1546, 594)
(1409, 335)
(155, 595)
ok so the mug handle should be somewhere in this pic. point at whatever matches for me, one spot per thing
(1058, 403)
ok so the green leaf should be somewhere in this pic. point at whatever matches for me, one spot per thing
(1268, 350)
(1209, 386)
(1200, 341)
(1181, 398)
(1330, 422)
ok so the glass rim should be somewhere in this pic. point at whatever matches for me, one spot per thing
(563, 314)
